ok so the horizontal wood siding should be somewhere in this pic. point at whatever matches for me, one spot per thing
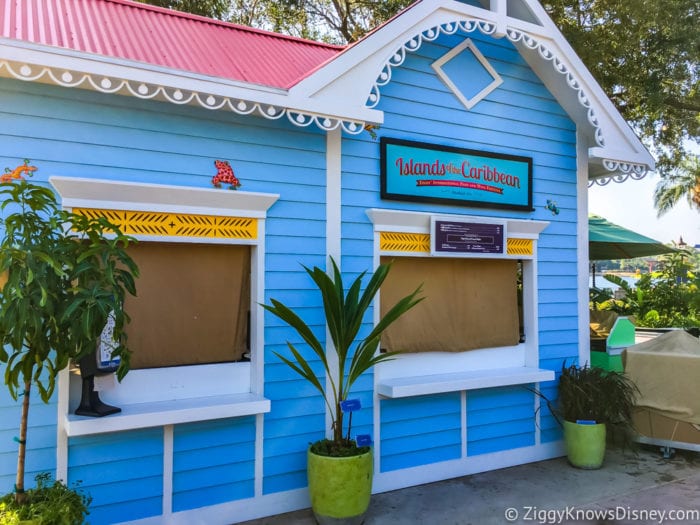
(420, 430)
(499, 419)
(122, 471)
(41, 438)
(213, 462)
(522, 118)
(75, 133)
(296, 236)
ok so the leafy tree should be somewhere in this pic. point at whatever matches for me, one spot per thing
(281, 17)
(680, 183)
(218, 9)
(646, 56)
(62, 279)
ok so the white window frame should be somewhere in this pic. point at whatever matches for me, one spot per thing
(167, 396)
(415, 374)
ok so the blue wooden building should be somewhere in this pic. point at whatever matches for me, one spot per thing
(457, 140)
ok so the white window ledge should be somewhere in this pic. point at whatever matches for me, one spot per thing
(155, 414)
(398, 387)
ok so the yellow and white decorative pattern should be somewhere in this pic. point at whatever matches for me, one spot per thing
(404, 242)
(519, 247)
(163, 224)
(420, 243)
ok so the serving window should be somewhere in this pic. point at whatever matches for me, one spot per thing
(192, 304)
(477, 326)
(196, 332)
(469, 304)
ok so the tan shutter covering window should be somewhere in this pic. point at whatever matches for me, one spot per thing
(470, 303)
(192, 304)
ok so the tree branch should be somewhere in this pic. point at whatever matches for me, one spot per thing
(682, 104)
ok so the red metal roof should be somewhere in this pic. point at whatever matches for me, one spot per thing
(135, 31)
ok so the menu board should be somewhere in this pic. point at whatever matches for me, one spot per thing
(468, 237)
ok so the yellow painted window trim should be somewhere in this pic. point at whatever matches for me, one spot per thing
(161, 224)
(420, 243)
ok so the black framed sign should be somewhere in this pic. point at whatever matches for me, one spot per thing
(464, 237)
(416, 171)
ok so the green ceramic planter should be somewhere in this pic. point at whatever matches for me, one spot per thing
(585, 444)
(340, 488)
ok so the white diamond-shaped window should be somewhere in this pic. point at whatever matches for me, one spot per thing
(467, 73)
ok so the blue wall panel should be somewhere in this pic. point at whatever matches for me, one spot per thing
(420, 430)
(522, 118)
(41, 438)
(499, 419)
(77, 133)
(85, 134)
(122, 471)
(213, 462)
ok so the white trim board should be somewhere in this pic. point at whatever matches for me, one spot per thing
(76, 192)
(457, 381)
(166, 413)
(282, 502)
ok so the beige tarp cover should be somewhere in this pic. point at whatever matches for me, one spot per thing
(602, 322)
(191, 306)
(666, 370)
(469, 304)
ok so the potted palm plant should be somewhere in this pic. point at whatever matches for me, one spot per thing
(591, 401)
(340, 469)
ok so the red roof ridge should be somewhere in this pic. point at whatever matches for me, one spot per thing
(213, 21)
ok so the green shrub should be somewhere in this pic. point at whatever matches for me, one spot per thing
(50, 503)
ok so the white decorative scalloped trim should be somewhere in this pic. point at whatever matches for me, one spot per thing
(623, 171)
(487, 28)
(110, 85)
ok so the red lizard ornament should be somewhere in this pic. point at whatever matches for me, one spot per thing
(16, 173)
(224, 175)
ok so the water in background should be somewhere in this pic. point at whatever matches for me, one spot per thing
(601, 282)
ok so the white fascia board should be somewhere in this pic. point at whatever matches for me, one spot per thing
(116, 68)
(50, 63)
(598, 154)
(76, 192)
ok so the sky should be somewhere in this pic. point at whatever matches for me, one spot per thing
(631, 204)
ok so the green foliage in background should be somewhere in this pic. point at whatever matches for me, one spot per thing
(666, 298)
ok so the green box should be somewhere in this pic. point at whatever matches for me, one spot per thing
(612, 363)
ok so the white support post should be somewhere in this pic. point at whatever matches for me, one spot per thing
(584, 342)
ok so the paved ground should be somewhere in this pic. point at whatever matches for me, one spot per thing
(633, 487)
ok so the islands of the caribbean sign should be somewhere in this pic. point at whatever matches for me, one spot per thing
(416, 171)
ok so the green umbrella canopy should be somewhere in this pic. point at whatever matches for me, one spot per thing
(609, 241)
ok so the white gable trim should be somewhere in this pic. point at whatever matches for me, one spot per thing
(358, 73)
(336, 96)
